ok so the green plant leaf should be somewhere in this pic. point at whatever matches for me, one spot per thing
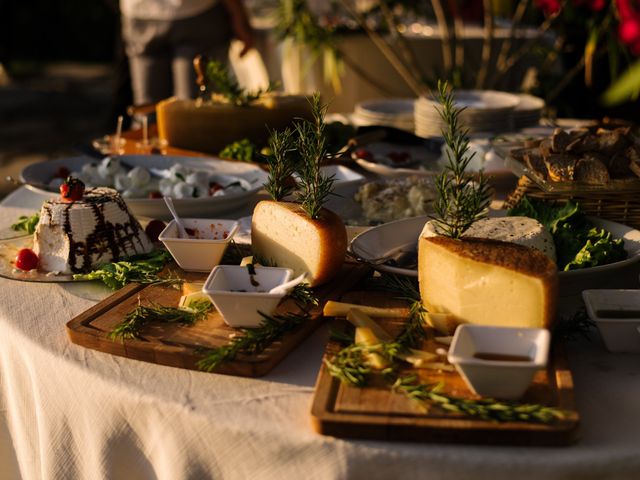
(625, 88)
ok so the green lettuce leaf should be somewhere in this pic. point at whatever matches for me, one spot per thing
(579, 244)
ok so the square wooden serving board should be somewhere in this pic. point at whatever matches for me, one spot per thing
(180, 346)
(375, 412)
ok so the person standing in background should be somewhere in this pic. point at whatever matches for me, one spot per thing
(162, 37)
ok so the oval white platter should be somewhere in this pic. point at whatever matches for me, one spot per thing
(38, 175)
(8, 250)
(385, 239)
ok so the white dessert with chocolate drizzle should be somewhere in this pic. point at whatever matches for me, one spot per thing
(74, 237)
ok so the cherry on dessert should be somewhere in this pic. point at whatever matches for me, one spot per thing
(26, 260)
(364, 154)
(153, 229)
(72, 189)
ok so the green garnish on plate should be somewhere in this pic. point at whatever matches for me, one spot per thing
(579, 243)
(26, 223)
(138, 268)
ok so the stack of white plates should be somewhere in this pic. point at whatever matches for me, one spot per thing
(395, 112)
(484, 111)
(528, 112)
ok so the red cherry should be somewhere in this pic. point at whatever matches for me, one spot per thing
(155, 194)
(364, 154)
(154, 228)
(26, 259)
(72, 190)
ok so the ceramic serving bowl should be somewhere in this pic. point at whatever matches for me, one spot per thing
(499, 362)
(206, 245)
(240, 296)
(617, 315)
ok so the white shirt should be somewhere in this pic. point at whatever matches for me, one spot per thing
(164, 9)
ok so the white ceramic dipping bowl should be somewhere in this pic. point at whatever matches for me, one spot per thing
(617, 315)
(484, 357)
(239, 296)
(204, 251)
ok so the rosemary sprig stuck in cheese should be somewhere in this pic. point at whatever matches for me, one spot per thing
(281, 166)
(314, 188)
(462, 199)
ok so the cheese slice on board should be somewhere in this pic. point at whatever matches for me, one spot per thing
(487, 282)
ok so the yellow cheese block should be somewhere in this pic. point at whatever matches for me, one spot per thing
(191, 287)
(487, 282)
(341, 309)
(283, 235)
(209, 127)
(365, 336)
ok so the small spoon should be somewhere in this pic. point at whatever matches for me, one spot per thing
(182, 231)
(285, 287)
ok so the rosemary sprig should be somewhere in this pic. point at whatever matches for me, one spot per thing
(413, 332)
(314, 188)
(303, 295)
(252, 340)
(402, 286)
(281, 165)
(26, 223)
(462, 200)
(138, 318)
(484, 408)
(349, 365)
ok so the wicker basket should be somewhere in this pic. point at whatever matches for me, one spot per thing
(621, 207)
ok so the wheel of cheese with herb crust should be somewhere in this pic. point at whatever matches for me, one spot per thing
(283, 235)
(209, 127)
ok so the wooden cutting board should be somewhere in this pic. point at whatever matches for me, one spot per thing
(177, 345)
(374, 412)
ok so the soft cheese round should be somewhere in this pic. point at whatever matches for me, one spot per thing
(520, 230)
(77, 236)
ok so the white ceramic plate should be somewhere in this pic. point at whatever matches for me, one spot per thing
(403, 234)
(38, 175)
(420, 160)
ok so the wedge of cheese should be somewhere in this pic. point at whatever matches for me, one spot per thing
(487, 282)
(283, 235)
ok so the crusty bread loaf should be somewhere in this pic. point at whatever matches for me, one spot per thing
(209, 127)
(487, 282)
(283, 235)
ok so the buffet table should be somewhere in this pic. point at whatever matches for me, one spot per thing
(69, 412)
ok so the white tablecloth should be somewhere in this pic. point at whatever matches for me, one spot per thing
(69, 412)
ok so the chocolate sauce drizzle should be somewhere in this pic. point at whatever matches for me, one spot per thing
(108, 241)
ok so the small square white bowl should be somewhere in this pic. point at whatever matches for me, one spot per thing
(199, 254)
(239, 296)
(616, 312)
(499, 378)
